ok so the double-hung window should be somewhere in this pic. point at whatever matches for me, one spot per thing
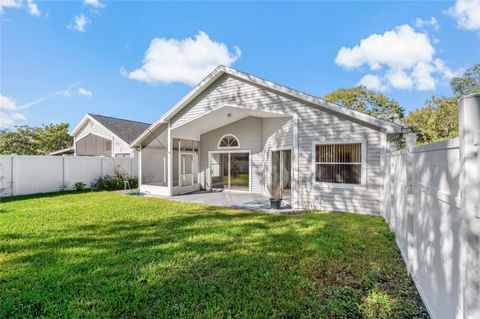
(339, 163)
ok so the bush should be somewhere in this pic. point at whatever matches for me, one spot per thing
(116, 182)
(80, 186)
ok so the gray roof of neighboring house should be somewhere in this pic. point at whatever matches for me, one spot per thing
(125, 129)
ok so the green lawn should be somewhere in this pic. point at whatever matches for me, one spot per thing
(111, 255)
(238, 180)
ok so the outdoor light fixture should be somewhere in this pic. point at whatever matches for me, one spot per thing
(229, 115)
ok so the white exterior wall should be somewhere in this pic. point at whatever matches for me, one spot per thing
(21, 174)
(314, 125)
(249, 132)
(119, 146)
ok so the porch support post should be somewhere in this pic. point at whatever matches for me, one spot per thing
(139, 167)
(170, 159)
(295, 154)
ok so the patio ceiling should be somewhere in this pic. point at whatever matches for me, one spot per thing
(217, 118)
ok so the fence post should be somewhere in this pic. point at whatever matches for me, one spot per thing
(13, 183)
(63, 172)
(468, 125)
(411, 142)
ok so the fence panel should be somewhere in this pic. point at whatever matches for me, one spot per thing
(23, 174)
(82, 169)
(422, 207)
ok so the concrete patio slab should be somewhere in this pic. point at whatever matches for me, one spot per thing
(243, 200)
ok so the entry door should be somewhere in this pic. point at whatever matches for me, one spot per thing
(230, 171)
(186, 170)
(281, 173)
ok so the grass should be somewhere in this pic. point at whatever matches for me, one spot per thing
(103, 255)
(238, 180)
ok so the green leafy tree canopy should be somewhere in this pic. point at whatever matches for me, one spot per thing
(361, 99)
(437, 120)
(468, 82)
(25, 140)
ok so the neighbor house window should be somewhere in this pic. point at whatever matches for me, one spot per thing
(228, 141)
(338, 163)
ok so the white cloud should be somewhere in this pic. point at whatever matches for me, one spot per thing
(399, 80)
(9, 113)
(16, 4)
(7, 103)
(85, 92)
(94, 3)
(185, 61)
(432, 22)
(33, 8)
(29, 5)
(79, 23)
(467, 14)
(402, 58)
(9, 120)
(372, 82)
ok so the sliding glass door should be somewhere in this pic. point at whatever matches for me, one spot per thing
(281, 174)
(230, 170)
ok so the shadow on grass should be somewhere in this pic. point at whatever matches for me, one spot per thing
(203, 261)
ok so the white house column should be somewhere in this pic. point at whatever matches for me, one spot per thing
(170, 159)
(469, 126)
(295, 154)
(139, 167)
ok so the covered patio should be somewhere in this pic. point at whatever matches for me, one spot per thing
(222, 149)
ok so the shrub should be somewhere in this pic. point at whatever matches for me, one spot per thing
(116, 182)
(79, 186)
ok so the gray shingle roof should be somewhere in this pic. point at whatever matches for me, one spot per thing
(125, 129)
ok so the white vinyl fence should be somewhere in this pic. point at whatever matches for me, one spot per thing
(25, 174)
(431, 202)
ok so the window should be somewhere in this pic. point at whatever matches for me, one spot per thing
(338, 163)
(228, 141)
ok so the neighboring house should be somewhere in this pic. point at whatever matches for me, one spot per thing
(237, 132)
(99, 135)
(66, 151)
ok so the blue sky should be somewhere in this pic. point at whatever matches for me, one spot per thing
(60, 60)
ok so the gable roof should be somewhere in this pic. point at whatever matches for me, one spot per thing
(310, 99)
(127, 130)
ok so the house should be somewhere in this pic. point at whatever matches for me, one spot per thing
(66, 151)
(99, 135)
(237, 132)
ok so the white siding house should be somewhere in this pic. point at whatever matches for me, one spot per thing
(98, 135)
(241, 133)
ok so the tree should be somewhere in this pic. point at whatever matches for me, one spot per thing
(436, 121)
(361, 99)
(53, 138)
(25, 140)
(468, 82)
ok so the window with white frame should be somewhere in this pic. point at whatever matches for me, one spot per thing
(228, 141)
(338, 163)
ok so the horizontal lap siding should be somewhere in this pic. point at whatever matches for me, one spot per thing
(248, 131)
(118, 145)
(314, 125)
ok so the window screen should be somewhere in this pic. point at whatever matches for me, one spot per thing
(338, 163)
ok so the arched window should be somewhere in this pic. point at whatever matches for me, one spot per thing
(228, 141)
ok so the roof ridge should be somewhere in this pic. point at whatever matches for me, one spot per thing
(117, 118)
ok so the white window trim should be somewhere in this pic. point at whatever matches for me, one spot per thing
(228, 147)
(363, 182)
(209, 170)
